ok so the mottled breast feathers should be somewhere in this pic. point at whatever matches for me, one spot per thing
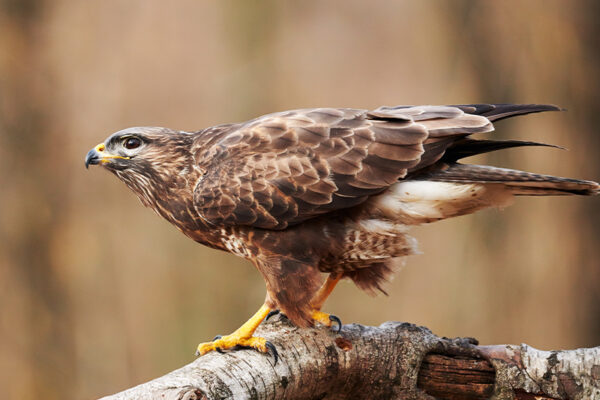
(284, 168)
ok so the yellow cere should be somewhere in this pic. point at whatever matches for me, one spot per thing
(105, 156)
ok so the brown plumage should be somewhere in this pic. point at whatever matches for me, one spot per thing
(323, 190)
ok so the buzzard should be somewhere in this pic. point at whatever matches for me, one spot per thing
(324, 190)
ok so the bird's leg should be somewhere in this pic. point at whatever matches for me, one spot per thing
(242, 337)
(317, 302)
(324, 291)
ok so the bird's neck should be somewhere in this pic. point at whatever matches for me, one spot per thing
(169, 194)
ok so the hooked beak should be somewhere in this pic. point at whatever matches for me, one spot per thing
(99, 155)
(92, 158)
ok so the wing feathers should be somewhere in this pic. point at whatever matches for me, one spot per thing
(496, 112)
(415, 113)
(393, 152)
(344, 167)
(469, 147)
(465, 124)
(388, 133)
(284, 168)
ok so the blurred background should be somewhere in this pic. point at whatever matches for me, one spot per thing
(98, 294)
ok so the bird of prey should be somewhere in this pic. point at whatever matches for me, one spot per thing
(324, 190)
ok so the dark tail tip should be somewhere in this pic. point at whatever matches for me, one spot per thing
(496, 112)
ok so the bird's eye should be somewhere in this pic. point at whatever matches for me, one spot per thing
(132, 143)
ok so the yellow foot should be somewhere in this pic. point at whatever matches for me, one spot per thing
(242, 338)
(236, 341)
(326, 319)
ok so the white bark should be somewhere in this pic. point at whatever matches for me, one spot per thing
(374, 363)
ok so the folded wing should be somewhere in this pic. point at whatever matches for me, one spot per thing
(281, 169)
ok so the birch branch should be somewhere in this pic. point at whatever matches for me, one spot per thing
(392, 361)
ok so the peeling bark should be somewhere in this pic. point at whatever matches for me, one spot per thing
(392, 361)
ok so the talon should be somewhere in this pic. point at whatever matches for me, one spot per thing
(233, 342)
(326, 319)
(275, 312)
(197, 353)
(273, 350)
(334, 318)
(272, 314)
(241, 338)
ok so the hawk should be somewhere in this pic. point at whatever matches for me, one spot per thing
(325, 190)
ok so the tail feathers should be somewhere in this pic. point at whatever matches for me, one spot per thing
(496, 112)
(520, 182)
(468, 147)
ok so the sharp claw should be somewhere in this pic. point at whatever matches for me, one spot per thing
(275, 312)
(250, 345)
(273, 350)
(271, 314)
(335, 319)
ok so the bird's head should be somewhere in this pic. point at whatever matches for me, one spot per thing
(143, 157)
